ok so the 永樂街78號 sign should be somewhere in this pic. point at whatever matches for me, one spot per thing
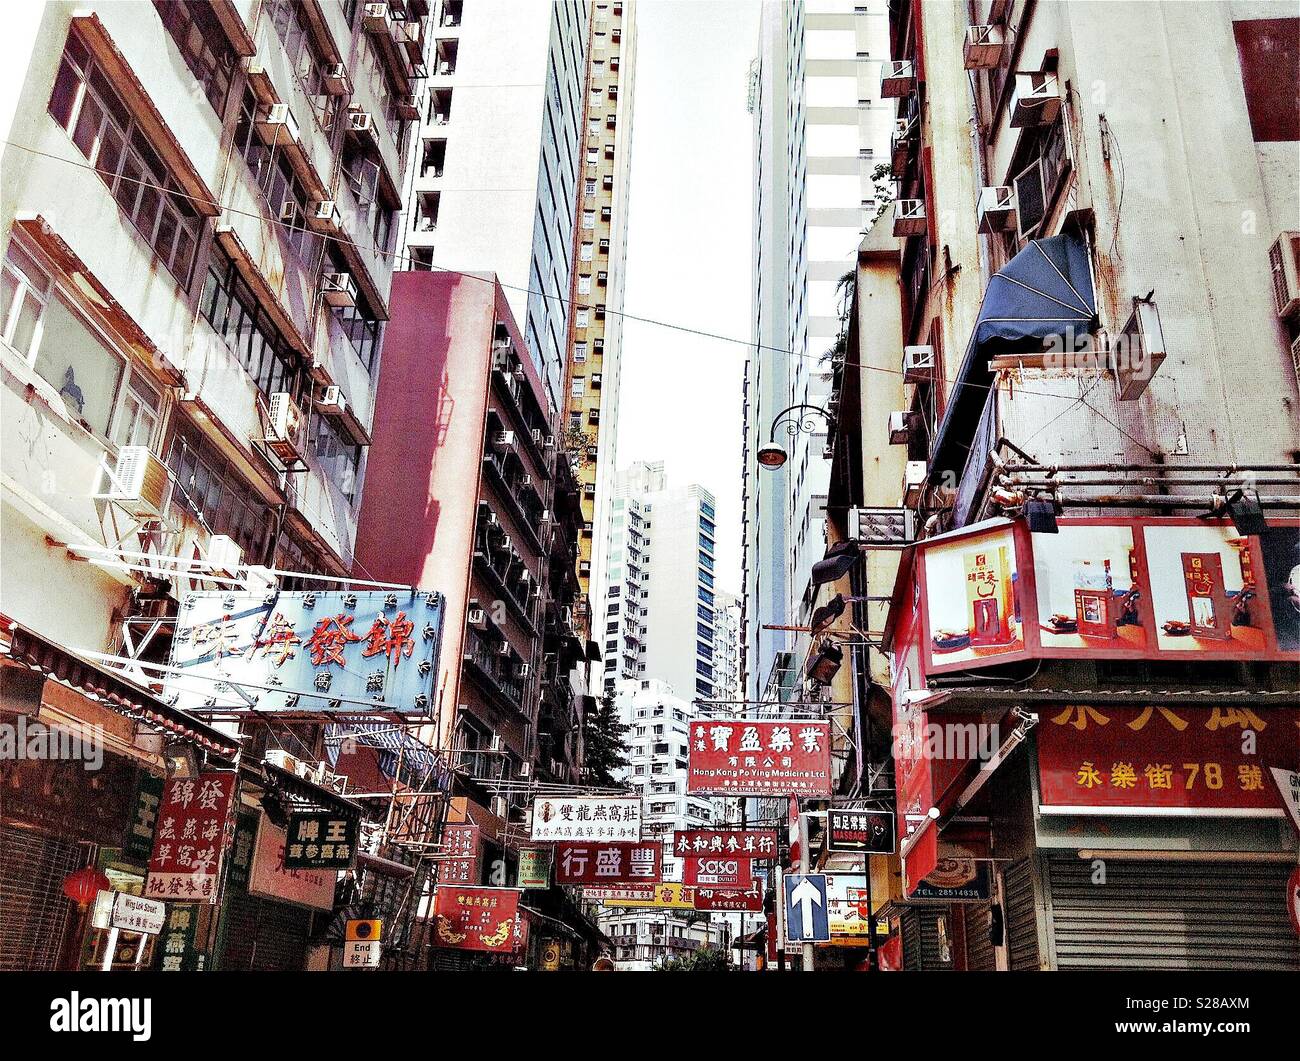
(743, 758)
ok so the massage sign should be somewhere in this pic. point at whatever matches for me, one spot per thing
(193, 826)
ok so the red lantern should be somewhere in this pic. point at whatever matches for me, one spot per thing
(83, 885)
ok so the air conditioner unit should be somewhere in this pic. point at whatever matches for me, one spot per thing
(286, 428)
(140, 483)
(897, 79)
(918, 364)
(503, 439)
(549, 442)
(377, 18)
(525, 669)
(914, 475)
(224, 553)
(476, 616)
(900, 431)
(331, 402)
(983, 48)
(286, 762)
(323, 216)
(909, 217)
(259, 78)
(337, 81)
(361, 122)
(1139, 352)
(900, 147)
(277, 126)
(503, 649)
(996, 209)
(445, 67)
(338, 289)
(498, 744)
(408, 108)
(500, 806)
(289, 213)
(525, 480)
(1035, 100)
(525, 770)
(1284, 267)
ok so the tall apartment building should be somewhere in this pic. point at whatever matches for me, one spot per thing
(820, 131)
(726, 647)
(661, 597)
(495, 160)
(596, 323)
(197, 216)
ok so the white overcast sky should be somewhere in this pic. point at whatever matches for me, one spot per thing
(690, 250)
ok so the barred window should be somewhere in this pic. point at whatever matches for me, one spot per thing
(85, 103)
(204, 45)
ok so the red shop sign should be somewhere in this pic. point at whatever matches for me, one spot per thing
(743, 758)
(193, 821)
(746, 899)
(608, 863)
(1216, 760)
(733, 843)
(718, 872)
(476, 918)
(461, 854)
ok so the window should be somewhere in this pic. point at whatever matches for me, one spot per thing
(85, 103)
(276, 180)
(362, 330)
(337, 456)
(703, 631)
(704, 613)
(585, 252)
(580, 352)
(589, 219)
(705, 596)
(577, 387)
(208, 485)
(582, 318)
(584, 284)
(228, 304)
(204, 44)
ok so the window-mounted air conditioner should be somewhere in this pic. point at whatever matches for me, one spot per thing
(286, 428)
(1035, 100)
(338, 289)
(259, 79)
(500, 806)
(277, 126)
(914, 475)
(503, 649)
(525, 480)
(1284, 269)
(475, 616)
(503, 439)
(323, 216)
(286, 762)
(290, 214)
(900, 148)
(337, 81)
(377, 18)
(897, 79)
(445, 67)
(909, 217)
(983, 48)
(996, 209)
(900, 430)
(1140, 350)
(525, 770)
(331, 401)
(361, 122)
(525, 669)
(224, 554)
(918, 364)
(140, 483)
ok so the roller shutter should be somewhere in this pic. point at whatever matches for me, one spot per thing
(1021, 923)
(1171, 915)
(980, 954)
(34, 913)
(921, 949)
(264, 935)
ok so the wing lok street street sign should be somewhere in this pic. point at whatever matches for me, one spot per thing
(807, 917)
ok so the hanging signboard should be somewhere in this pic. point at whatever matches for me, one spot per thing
(954, 880)
(1164, 760)
(363, 944)
(748, 758)
(137, 845)
(1288, 785)
(321, 840)
(608, 863)
(557, 818)
(534, 868)
(848, 908)
(176, 950)
(475, 918)
(746, 900)
(666, 895)
(852, 829)
(718, 872)
(461, 855)
(736, 843)
(307, 651)
(271, 879)
(190, 838)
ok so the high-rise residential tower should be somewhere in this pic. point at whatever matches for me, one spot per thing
(820, 130)
(494, 164)
(596, 323)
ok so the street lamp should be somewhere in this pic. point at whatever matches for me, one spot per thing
(798, 420)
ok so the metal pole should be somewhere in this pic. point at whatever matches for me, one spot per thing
(808, 961)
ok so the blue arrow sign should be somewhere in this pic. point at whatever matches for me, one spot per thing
(807, 917)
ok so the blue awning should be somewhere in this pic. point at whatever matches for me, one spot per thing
(1044, 291)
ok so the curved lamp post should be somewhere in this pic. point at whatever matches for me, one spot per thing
(797, 420)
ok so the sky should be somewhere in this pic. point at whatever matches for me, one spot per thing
(690, 251)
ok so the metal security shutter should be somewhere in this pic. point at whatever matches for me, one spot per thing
(921, 950)
(1171, 915)
(33, 910)
(911, 929)
(980, 955)
(264, 935)
(1021, 923)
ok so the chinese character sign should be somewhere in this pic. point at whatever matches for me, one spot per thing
(850, 829)
(749, 898)
(460, 855)
(534, 867)
(177, 950)
(475, 918)
(735, 843)
(743, 758)
(320, 840)
(307, 651)
(189, 838)
(557, 818)
(607, 863)
(665, 895)
(718, 872)
(1092, 759)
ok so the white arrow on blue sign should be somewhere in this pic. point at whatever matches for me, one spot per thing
(807, 919)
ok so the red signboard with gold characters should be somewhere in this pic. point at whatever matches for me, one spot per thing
(1098, 759)
(475, 918)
